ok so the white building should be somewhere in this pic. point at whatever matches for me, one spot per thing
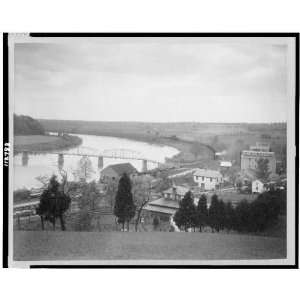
(258, 186)
(225, 164)
(208, 179)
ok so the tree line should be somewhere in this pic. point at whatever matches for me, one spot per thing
(130, 199)
(25, 125)
(246, 216)
(54, 202)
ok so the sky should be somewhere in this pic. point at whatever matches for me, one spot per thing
(152, 80)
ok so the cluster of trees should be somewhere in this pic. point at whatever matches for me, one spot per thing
(244, 217)
(25, 125)
(131, 197)
(55, 199)
(87, 201)
(262, 170)
(54, 202)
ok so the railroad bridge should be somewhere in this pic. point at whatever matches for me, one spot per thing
(125, 154)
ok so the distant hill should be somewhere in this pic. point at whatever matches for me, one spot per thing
(25, 125)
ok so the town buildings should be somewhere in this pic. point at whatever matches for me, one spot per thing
(167, 205)
(114, 172)
(208, 180)
(249, 159)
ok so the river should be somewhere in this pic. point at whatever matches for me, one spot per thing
(47, 164)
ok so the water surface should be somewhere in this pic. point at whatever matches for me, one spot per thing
(47, 164)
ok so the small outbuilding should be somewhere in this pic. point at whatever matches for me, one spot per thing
(225, 164)
(258, 186)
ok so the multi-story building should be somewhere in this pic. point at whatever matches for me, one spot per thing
(208, 180)
(249, 159)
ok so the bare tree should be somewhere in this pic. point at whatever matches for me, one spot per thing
(44, 180)
(111, 190)
(141, 191)
(64, 181)
(84, 170)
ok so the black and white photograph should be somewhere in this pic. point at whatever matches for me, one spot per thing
(152, 150)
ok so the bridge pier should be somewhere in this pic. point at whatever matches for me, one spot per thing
(25, 159)
(144, 167)
(60, 160)
(100, 162)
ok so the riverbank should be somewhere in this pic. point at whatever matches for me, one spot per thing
(45, 142)
(190, 150)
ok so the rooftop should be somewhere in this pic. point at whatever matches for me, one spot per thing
(122, 168)
(163, 206)
(259, 180)
(164, 210)
(208, 173)
(180, 190)
(257, 153)
(165, 203)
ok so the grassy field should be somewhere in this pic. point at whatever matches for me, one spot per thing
(44, 142)
(22, 140)
(33, 245)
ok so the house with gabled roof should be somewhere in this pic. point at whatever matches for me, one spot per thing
(114, 172)
(208, 180)
(166, 206)
(258, 186)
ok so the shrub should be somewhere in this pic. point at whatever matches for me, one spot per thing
(216, 214)
(202, 212)
(185, 215)
(242, 213)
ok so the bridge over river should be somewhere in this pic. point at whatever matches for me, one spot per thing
(125, 154)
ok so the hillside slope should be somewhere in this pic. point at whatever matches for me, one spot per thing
(58, 245)
(25, 125)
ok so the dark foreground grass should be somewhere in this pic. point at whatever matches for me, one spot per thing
(39, 245)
